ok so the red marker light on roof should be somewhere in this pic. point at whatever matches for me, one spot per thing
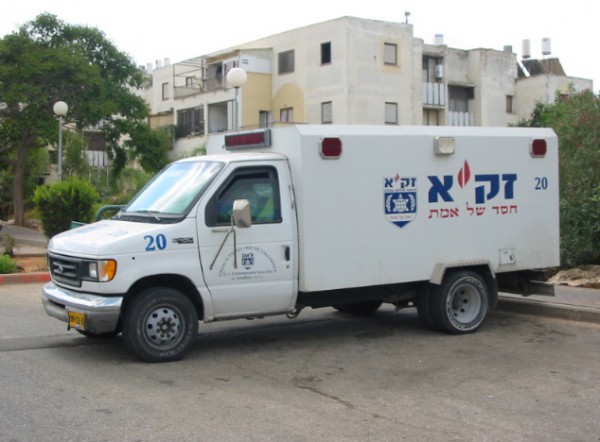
(330, 148)
(538, 148)
(248, 140)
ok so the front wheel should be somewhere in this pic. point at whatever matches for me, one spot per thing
(460, 304)
(160, 325)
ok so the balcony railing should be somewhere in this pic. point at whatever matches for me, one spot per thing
(433, 94)
(205, 85)
(460, 119)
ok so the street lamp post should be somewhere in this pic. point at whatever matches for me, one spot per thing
(60, 109)
(236, 77)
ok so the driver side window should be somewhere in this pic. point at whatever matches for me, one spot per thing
(258, 185)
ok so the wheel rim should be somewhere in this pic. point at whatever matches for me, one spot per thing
(163, 327)
(465, 304)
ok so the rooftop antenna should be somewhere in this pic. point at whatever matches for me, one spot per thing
(406, 15)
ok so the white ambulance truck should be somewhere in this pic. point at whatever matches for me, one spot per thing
(275, 220)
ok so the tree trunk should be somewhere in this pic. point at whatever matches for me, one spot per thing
(19, 184)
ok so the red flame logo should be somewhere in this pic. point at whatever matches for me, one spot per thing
(464, 175)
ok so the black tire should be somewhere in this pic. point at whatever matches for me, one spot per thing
(359, 308)
(160, 325)
(423, 304)
(460, 304)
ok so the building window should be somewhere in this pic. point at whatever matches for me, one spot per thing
(509, 104)
(433, 69)
(189, 81)
(326, 53)
(391, 113)
(165, 91)
(264, 118)
(286, 115)
(190, 122)
(390, 54)
(286, 62)
(326, 112)
(458, 98)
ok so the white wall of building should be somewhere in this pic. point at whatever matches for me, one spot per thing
(358, 83)
(543, 88)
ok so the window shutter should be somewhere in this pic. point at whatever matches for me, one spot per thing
(391, 113)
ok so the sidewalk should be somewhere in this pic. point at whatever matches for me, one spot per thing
(576, 304)
(567, 303)
(27, 241)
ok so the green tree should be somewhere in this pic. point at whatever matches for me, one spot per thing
(75, 163)
(46, 61)
(576, 121)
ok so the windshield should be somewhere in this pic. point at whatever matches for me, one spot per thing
(175, 189)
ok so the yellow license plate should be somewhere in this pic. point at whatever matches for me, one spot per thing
(77, 320)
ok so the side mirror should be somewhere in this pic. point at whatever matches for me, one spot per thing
(241, 214)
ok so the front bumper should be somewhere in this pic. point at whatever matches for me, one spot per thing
(101, 313)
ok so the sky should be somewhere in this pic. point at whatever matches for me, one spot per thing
(150, 31)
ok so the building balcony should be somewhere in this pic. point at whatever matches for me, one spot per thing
(460, 119)
(433, 94)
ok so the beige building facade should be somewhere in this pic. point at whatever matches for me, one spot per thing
(347, 71)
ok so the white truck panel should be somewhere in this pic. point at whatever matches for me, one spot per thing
(494, 202)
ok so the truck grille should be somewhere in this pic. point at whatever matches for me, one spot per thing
(66, 270)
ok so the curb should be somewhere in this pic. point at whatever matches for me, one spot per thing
(24, 278)
(550, 310)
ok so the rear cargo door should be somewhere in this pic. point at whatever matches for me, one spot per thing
(260, 278)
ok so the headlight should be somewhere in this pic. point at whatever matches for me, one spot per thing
(103, 270)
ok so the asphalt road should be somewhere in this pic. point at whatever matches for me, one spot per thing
(321, 377)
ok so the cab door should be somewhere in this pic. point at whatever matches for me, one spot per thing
(260, 276)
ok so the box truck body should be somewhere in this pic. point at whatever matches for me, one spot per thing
(275, 220)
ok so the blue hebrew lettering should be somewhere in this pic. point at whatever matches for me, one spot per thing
(408, 182)
(494, 182)
(480, 195)
(509, 179)
(440, 189)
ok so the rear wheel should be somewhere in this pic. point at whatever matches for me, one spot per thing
(460, 304)
(160, 325)
(423, 304)
(359, 308)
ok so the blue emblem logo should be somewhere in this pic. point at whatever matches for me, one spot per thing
(247, 260)
(400, 199)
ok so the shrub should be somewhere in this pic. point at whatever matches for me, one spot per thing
(7, 264)
(63, 202)
(576, 121)
(7, 242)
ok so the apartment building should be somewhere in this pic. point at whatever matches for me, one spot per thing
(348, 71)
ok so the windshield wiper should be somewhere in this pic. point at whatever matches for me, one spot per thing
(143, 213)
(149, 216)
(153, 213)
